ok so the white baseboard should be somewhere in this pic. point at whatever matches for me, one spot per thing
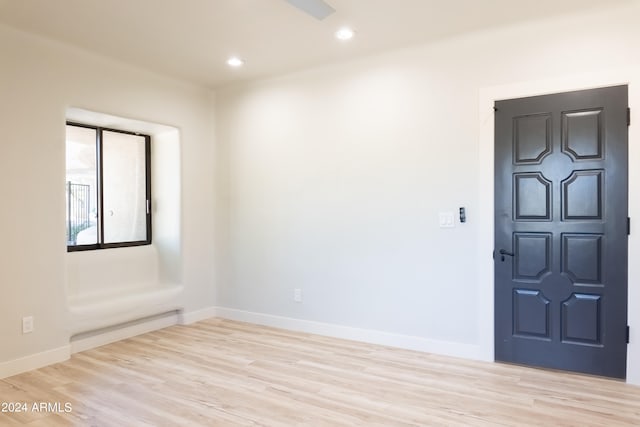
(34, 361)
(408, 342)
(95, 339)
(196, 316)
(99, 338)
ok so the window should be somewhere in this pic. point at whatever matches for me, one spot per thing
(108, 188)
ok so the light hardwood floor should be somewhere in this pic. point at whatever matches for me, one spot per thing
(220, 372)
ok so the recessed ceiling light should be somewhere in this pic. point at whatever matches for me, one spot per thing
(235, 62)
(344, 34)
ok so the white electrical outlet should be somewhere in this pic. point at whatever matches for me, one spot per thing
(297, 295)
(27, 325)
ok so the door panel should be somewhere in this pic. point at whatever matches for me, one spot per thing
(534, 256)
(561, 235)
(532, 197)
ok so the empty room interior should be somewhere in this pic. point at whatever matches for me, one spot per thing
(307, 212)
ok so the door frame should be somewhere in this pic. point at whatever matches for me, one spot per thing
(487, 96)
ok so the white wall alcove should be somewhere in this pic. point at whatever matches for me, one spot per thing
(112, 287)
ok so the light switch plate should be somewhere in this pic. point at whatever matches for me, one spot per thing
(446, 219)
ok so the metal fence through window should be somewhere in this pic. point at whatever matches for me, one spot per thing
(78, 210)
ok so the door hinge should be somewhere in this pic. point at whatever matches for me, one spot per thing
(628, 116)
(628, 226)
(627, 334)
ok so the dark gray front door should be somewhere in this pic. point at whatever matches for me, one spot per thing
(561, 231)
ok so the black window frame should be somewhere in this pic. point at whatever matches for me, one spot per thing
(99, 185)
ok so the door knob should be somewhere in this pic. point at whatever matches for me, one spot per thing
(504, 252)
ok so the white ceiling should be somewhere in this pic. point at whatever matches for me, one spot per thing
(191, 39)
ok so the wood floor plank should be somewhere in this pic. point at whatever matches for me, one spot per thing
(225, 373)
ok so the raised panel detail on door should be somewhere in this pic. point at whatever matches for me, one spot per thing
(532, 197)
(582, 134)
(582, 195)
(582, 258)
(531, 138)
(581, 319)
(532, 256)
(530, 314)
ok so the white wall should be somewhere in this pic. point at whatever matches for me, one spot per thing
(336, 176)
(39, 81)
(329, 180)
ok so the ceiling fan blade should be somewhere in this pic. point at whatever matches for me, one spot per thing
(316, 8)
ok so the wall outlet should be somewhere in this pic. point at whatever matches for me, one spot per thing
(27, 325)
(297, 295)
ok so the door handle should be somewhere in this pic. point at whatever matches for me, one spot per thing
(504, 252)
